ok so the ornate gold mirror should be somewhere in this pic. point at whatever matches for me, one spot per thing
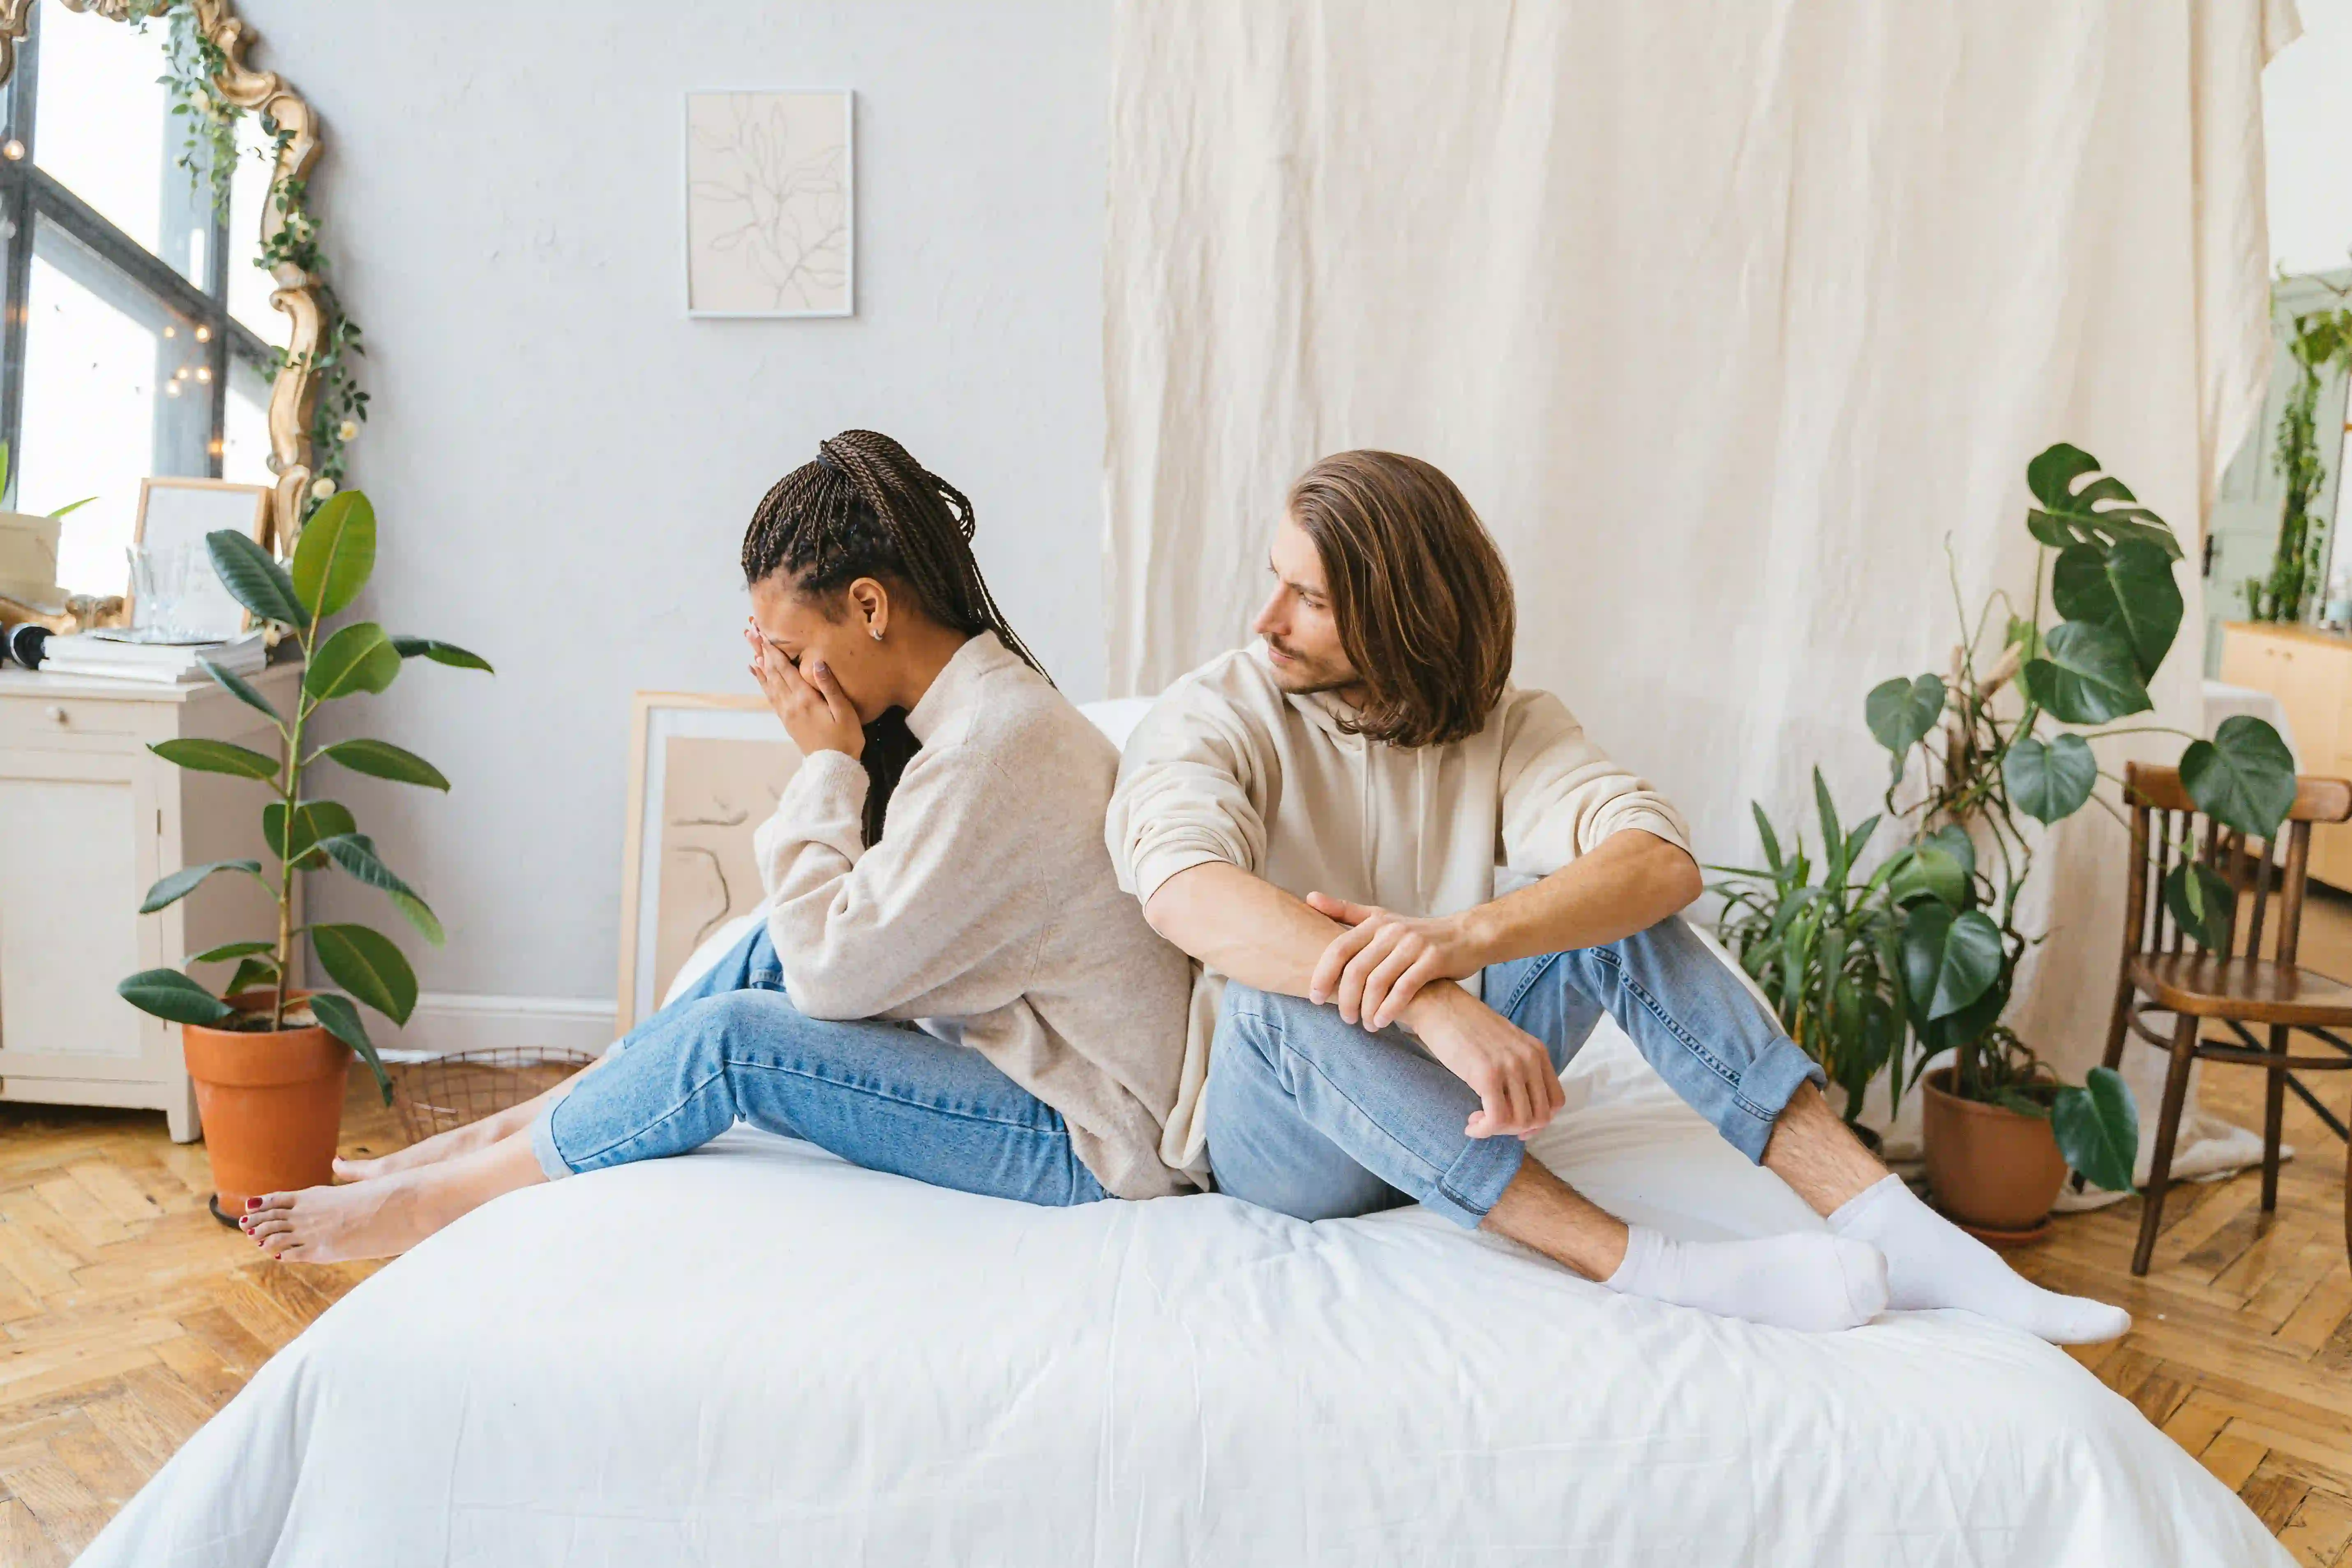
(166, 314)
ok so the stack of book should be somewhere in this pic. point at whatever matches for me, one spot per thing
(117, 655)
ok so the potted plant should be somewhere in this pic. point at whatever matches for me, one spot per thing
(2001, 1127)
(268, 1058)
(1828, 953)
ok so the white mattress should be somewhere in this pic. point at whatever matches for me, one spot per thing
(759, 1354)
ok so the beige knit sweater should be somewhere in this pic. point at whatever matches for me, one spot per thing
(991, 901)
(1227, 766)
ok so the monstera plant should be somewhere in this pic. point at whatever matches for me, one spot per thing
(2005, 735)
(300, 832)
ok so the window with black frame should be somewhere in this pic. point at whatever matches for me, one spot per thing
(138, 334)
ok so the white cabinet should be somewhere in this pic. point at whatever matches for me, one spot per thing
(89, 819)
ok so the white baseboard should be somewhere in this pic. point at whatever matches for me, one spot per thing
(447, 1022)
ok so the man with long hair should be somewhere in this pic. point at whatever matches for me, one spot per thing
(1318, 819)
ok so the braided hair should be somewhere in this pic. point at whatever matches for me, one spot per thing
(865, 507)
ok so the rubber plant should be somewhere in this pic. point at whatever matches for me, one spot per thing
(333, 560)
(1828, 951)
(2007, 736)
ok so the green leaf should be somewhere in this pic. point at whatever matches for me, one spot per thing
(252, 579)
(1930, 872)
(1833, 839)
(2050, 781)
(217, 757)
(1771, 840)
(355, 853)
(1954, 840)
(335, 553)
(365, 964)
(1900, 713)
(2010, 1097)
(439, 652)
(2128, 589)
(2204, 904)
(2097, 1126)
(168, 993)
(2068, 516)
(383, 760)
(170, 890)
(1955, 1029)
(339, 1018)
(2089, 677)
(252, 974)
(237, 686)
(2022, 634)
(313, 820)
(72, 506)
(2244, 776)
(229, 949)
(358, 657)
(1949, 960)
(427, 924)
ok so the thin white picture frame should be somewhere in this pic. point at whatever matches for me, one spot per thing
(849, 305)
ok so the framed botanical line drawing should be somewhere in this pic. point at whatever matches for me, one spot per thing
(770, 209)
(704, 772)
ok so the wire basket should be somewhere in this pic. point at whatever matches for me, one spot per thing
(444, 1092)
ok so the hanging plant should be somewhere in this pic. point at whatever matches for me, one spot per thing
(2321, 346)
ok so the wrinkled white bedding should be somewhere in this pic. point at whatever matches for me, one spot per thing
(759, 1354)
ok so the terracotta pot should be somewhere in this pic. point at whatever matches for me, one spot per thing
(272, 1104)
(1992, 1169)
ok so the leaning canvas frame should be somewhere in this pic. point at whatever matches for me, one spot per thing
(659, 716)
(729, 305)
(191, 509)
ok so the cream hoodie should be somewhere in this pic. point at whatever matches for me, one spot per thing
(990, 903)
(1227, 766)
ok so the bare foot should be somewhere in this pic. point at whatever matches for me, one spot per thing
(386, 1217)
(382, 1218)
(432, 1151)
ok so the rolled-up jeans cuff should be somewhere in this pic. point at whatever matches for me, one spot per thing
(1763, 1094)
(551, 1162)
(1469, 1188)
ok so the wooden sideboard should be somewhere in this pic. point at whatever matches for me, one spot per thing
(89, 819)
(2310, 672)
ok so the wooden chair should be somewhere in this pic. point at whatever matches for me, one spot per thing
(2165, 971)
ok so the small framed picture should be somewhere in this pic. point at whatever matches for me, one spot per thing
(704, 772)
(177, 564)
(769, 203)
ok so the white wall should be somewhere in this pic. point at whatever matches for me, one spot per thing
(563, 463)
(2307, 138)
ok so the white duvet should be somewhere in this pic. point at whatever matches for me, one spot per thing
(759, 1354)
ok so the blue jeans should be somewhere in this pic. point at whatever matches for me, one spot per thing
(1312, 1116)
(883, 1095)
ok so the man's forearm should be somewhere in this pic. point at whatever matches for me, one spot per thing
(1242, 926)
(1629, 883)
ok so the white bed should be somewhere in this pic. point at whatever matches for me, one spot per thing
(759, 1354)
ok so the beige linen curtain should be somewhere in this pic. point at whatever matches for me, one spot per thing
(1731, 318)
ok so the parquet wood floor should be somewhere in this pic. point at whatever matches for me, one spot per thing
(128, 1314)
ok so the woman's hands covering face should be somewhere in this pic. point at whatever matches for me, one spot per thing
(816, 713)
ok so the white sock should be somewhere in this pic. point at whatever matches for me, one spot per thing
(1810, 1280)
(1931, 1262)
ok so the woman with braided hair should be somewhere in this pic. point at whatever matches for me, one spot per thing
(948, 983)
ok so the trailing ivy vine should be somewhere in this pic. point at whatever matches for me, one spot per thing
(194, 67)
(2320, 345)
